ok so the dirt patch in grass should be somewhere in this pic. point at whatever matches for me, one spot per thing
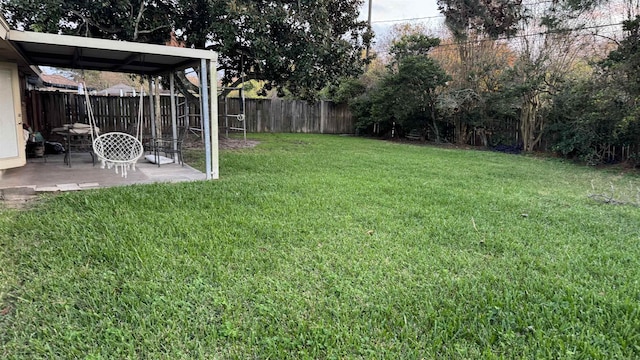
(18, 198)
(234, 144)
(224, 144)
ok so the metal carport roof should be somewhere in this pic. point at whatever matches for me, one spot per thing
(100, 54)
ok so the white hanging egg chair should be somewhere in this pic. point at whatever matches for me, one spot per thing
(117, 149)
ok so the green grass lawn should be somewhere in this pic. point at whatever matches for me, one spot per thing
(329, 247)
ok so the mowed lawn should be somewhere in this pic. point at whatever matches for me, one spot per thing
(319, 247)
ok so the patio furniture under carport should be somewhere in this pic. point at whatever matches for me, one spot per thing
(77, 138)
(30, 48)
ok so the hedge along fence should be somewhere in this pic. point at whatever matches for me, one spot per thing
(49, 110)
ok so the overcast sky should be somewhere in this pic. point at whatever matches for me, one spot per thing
(385, 13)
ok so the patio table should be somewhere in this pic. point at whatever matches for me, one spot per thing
(77, 138)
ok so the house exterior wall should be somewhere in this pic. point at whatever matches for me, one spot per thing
(12, 141)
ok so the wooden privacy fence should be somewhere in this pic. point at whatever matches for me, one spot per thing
(49, 110)
(282, 116)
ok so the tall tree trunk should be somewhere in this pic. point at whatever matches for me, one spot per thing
(467, 55)
(530, 125)
(461, 130)
(434, 125)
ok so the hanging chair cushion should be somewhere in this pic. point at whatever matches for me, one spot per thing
(163, 160)
(76, 129)
(118, 147)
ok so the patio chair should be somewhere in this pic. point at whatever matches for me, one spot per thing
(166, 146)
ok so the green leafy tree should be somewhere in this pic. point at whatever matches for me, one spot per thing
(407, 94)
(297, 45)
(492, 18)
(592, 116)
(411, 45)
(624, 62)
(140, 21)
(357, 95)
(584, 118)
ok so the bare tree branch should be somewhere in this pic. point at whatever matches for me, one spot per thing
(87, 21)
(137, 23)
(154, 29)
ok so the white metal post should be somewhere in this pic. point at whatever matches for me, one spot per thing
(215, 155)
(204, 100)
(174, 116)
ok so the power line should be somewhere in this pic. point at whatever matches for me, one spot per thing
(442, 16)
(531, 35)
(408, 19)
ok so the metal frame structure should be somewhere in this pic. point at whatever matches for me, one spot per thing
(236, 119)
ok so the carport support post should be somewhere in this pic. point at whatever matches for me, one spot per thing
(152, 111)
(214, 119)
(174, 119)
(204, 100)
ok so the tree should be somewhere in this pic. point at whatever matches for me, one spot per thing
(473, 25)
(591, 118)
(624, 62)
(407, 94)
(545, 35)
(356, 93)
(411, 46)
(486, 17)
(297, 45)
(104, 79)
(583, 118)
(139, 21)
(544, 62)
(469, 100)
(387, 39)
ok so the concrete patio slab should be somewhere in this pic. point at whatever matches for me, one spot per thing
(52, 174)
